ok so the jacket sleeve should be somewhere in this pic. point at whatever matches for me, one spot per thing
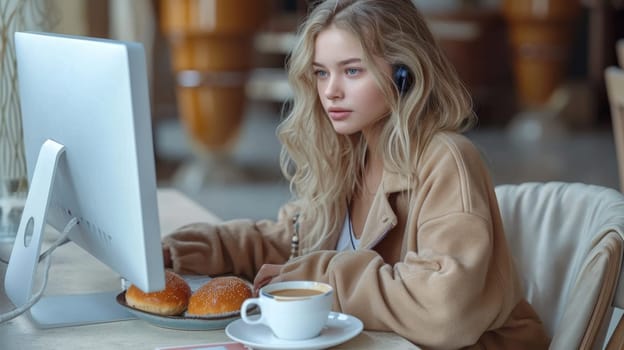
(238, 247)
(451, 286)
(435, 298)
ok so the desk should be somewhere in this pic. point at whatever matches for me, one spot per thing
(71, 264)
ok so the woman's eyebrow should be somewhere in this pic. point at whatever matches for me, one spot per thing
(341, 63)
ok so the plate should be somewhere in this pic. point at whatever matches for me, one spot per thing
(340, 328)
(183, 322)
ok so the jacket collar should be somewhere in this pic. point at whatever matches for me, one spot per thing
(381, 218)
(393, 182)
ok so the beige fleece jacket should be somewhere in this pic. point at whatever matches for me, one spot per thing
(437, 271)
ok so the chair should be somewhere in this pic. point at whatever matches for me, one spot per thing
(567, 240)
(614, 79)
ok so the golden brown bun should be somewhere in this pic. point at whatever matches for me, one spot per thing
(219, 295)
(173, 300)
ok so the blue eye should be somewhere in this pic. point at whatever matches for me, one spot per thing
(320, 73)
(352, 71)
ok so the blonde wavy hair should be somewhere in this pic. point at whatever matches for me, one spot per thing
(325, 168)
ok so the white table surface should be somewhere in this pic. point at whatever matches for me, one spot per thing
(72, 264)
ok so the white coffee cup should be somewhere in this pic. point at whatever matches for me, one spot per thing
(293, 310)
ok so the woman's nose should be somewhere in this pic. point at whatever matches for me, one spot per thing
(333, 90)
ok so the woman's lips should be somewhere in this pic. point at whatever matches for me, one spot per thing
(338, 114)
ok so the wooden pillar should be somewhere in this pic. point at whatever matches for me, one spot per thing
(603, 31)
(540, 33)
(211, 49)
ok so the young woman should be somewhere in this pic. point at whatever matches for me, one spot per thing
(392, 206)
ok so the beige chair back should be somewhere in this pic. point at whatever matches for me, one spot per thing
(567, 242)
(614, 78)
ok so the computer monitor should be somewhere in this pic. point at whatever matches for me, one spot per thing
(89, 153)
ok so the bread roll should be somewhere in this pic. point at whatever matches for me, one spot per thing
(218, 296)
(173, 300)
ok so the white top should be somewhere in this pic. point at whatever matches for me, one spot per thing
(347, 240)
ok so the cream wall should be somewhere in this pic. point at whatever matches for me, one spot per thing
(71, 17)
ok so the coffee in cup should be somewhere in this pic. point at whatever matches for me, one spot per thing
(293, 310)
(295, 293)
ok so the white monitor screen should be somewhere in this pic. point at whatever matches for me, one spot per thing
(91, 97)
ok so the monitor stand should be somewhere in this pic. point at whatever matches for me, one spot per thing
(59, 310)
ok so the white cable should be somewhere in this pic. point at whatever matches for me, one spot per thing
(46, 255)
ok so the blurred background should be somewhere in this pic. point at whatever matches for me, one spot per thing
(534, 67)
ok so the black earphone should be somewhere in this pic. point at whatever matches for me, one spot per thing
(402, 78)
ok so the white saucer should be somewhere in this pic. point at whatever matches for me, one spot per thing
(340, 328)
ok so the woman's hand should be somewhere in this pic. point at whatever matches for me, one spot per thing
(192, 239)
(266, 273)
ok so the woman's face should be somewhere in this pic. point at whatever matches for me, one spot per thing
(346, 87)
